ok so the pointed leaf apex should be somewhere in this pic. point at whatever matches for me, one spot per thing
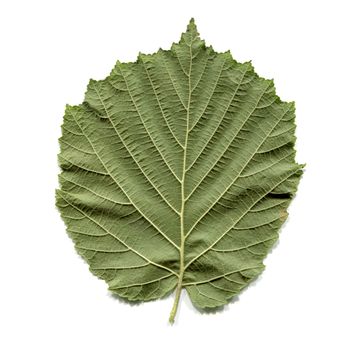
(191, 27)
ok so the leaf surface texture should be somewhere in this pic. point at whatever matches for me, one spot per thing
(177, 171)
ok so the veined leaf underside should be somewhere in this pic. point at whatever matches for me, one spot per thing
(177, 171)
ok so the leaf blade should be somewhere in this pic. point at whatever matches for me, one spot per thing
(177, 171)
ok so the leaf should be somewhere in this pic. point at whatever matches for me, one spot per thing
(177, 171)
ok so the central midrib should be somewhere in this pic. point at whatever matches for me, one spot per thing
(183, 200)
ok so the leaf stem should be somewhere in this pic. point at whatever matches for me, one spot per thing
(176, 301)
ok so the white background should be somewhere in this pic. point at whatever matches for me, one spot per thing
(49, 50)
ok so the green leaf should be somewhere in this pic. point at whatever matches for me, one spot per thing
(177, 171)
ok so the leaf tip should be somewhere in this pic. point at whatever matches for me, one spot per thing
(192, 27)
